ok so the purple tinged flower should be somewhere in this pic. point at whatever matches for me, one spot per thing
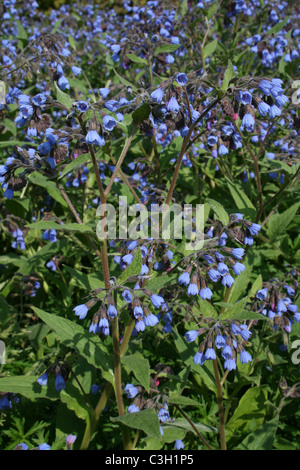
(238, 268)
(70, 439)
(191, 335)
(265, 86)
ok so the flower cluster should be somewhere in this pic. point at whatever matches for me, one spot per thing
(228, 336)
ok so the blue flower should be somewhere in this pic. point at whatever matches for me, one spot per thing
(59, 382)
(157, 95)
(109, 123)
(131, 390)
(184, 278)
(81, 311)
(238, 253)
(193, 289)
(191, 335)
(210, 354)
(178, 444)
(93, 138)
(245, 357)
(199, 358)
(43, 379)
(157, 300)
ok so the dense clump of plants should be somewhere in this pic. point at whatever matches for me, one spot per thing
(145, 331)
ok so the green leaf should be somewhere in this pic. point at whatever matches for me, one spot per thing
(21, 31)
(73, 227)
(50, 186)
(74, 399)
(186, 352)
(17, 143)
(171, 151)
(229, 75)
(241, 200)
(133, 269)
(72, 42)
(145, 420)
(158, 282)
(278, 223)
(251, 409)
(234, 312)
(63, 98)
(240, 283)
(86, 281)
(36, 333)
(166, 48)
(28, 387)
(257, 285)
(81, 160)
(76, 337)
(10, 125)
(124, 81)
(207, 309)
(183, 401)
(141, 113)
(219, 211)
(136, 59)
(210, 48)
(262, 438)
(140, 367)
